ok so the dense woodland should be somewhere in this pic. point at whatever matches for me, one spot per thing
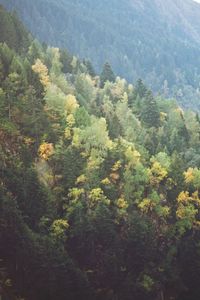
(156, 40)
(99, 181)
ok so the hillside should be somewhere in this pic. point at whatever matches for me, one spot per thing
(158, 41)
(99, 181)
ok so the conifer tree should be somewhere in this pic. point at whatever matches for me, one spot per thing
(107, 74)
(150, 113)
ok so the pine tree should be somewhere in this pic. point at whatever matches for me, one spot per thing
(150, 113)
(107, 74)
(90, 68)
(140, 88)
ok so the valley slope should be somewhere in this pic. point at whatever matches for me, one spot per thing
(157, 40)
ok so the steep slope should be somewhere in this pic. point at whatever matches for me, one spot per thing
(157, 40)
(99, 182)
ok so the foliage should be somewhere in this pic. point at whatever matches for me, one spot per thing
(99, 184)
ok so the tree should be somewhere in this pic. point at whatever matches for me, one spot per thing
(140, 89)
(90, 68)
(106, 74)
(150, 113)
(66, 60)
(42, 71)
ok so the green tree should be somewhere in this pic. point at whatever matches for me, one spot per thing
(106, 74)
(150, 115)
(90, 68)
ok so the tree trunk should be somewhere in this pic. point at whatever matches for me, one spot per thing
(160, 295)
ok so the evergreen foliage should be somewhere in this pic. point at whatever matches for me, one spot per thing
(106, 74)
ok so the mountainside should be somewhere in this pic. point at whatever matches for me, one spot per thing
(157, 40)
(99, 181)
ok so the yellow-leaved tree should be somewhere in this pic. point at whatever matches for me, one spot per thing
(46, 150)
(71, 104)
(157, 173)
(42, 71)
(187, 210)
(188, 206)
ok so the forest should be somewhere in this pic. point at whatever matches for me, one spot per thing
(99, 181)
(156, 40)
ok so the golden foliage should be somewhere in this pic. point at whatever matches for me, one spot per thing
(188, 209)
(71, 104)
(116, 166)
(96, 195)
(76, 138)
(189, 175)
(188, 212)
(76, 193)
(106, 181)
(183, 197)
(46, 150)
(68, 134)
(157, 173)
(59, 227)
(81, 179)
(146, 205)
(42, 71)
(132, 155)
(122, 203)
(164, 211)
(70, 120)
